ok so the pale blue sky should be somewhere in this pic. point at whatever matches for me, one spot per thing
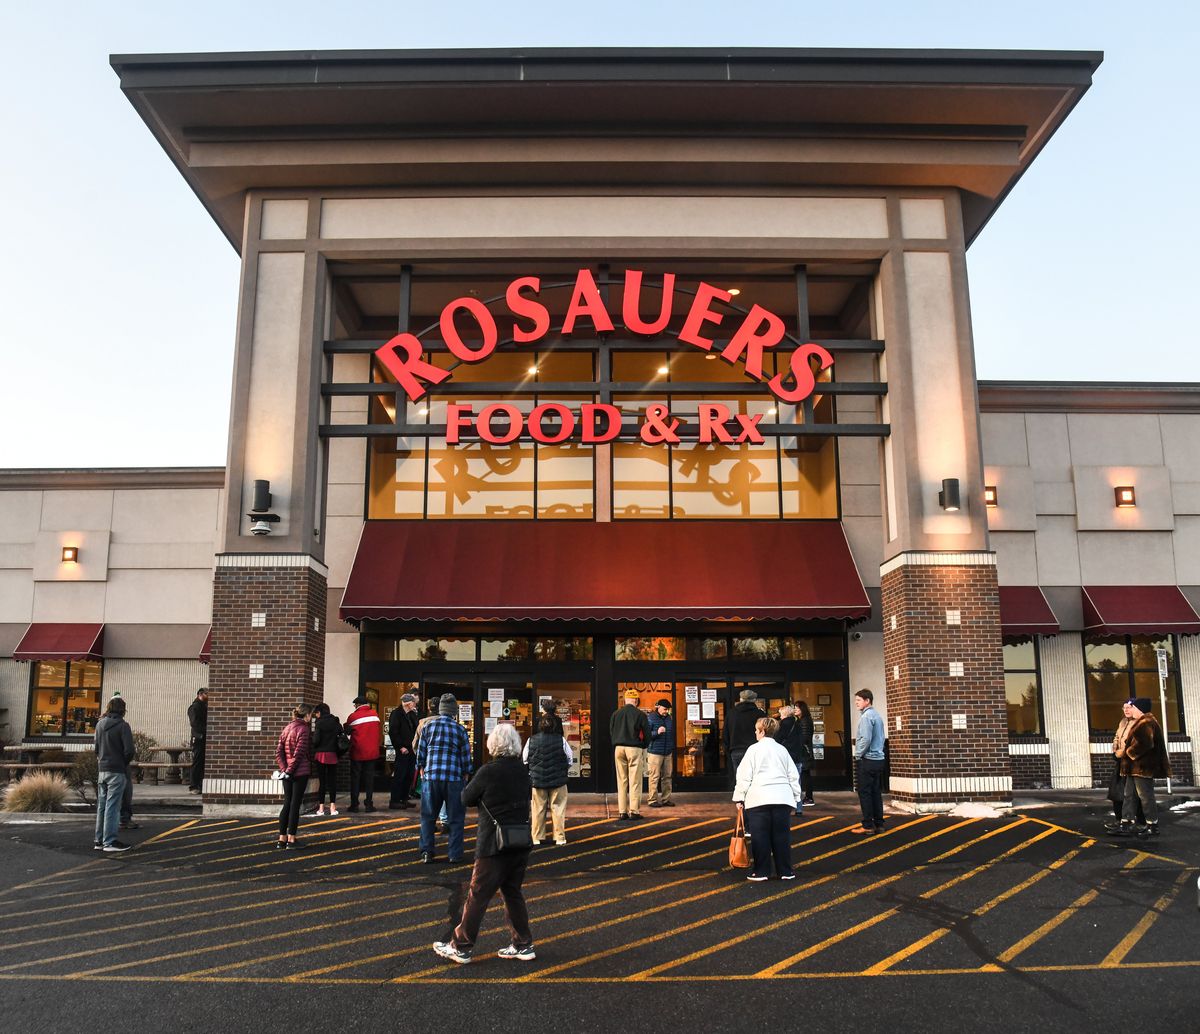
(119, 292)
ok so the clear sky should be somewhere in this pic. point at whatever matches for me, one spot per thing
(119, 292)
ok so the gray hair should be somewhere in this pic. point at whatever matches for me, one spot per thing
(787, 711)
(747, 694)
(504, 741)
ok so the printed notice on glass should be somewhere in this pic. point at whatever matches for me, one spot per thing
(818, 739)
(818, 753)
(464, 713)
(488, 725)
(708, 696)
(496, 693)
(691, 694)
(496, 708)
(693, 712)
(708, 709)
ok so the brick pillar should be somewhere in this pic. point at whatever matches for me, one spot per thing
(268, 610)
(940, 611)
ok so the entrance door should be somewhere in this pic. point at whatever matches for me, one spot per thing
(482, 702)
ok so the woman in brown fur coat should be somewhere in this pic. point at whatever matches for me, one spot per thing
(1143, 760)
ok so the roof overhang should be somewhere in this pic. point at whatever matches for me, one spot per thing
(705, 118)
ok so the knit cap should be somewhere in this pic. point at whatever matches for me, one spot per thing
(447, 705)
(1142, 704)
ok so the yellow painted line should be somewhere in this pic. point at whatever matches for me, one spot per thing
(1117, 956)
(335, 837)
(90, 863)
(389, 854)
(167, 832)
(1052, 924)
(724, 889)
(228, 837)
(630, 843)
(723, 835)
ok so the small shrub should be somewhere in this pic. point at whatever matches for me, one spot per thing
(84, 775)
(38, 791)
(144, 746)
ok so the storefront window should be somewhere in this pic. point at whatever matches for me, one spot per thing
(1121, 667)
(572, 704)
(65, 698)
(651, 648)
(385, 648)
(504, 649)
(1022, 686)
(563, 648)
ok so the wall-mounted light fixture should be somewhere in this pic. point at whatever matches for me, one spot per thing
(990, 496)
(948, 497)
(260, 514)
(70, 554)
(1126, 496)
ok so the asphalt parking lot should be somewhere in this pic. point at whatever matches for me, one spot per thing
(1036, 902)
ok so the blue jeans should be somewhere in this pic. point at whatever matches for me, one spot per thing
(110, 788)
(436, 794)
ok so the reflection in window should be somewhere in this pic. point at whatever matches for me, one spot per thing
(504, 649)
(1022, 686)
(640, 480)
(563, 648)
(385, 648)
(65, 698)
(650, 648)
(1122, 667)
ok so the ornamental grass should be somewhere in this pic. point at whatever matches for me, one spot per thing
(38, 791)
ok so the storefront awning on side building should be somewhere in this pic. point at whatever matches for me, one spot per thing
(55, 641)
(1024, 610)
(1138, 610)
(590, 571)
(206, 650)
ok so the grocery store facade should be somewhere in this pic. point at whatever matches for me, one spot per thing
(574, 372)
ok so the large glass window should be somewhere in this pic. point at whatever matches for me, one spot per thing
(1022, 686)
(64, 698)
(1125, 666)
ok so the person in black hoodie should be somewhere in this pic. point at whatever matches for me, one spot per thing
(325, 734)
(501, 790)
(402, 729)
(739, 730)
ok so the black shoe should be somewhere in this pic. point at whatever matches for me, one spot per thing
(1112, 829)
(454, 861)
(291, 845)
(116, 847)
(129, 825)
(280, 844)
(427, 858)
(368, 807)
(655, 804)
(623, 817)
(635, 816)
(353, 808)
(668, 804)
(97, 846)
(1125, 829)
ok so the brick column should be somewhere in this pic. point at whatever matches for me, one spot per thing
(268, 610)
(944, 666)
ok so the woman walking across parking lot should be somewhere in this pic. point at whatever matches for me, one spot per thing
(293, 756)
(327, 730)
(501, 790)
(768, 788)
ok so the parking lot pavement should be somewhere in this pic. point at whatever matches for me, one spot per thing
(649, 903)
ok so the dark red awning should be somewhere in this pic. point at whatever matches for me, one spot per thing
(206, 650)
(1025, 611)
(626, 570)
(1137, 610)
(52, 641)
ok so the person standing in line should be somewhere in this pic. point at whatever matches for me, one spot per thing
(365, 731)
(293, 757)
(660, 756)
(444, 762)
(629, 732)
(804, 721)
(869, 763)
(548, 756)
(549, 711)
(768, 789)
(1116, 789)
(1145, 760)
(442, 819)
(739, 730)
(402, 727)
(501, 790)
(113, 744)
(197, 714)
(326, 732)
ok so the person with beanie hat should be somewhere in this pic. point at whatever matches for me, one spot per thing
(1145, 759)
(629, 733)
(660, 755)
(1116, 785)
(443, 763)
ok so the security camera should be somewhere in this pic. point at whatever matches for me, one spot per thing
(856, 636)
(260, 526)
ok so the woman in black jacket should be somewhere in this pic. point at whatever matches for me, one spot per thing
(326, 730)
(804, 722)
(501, 790)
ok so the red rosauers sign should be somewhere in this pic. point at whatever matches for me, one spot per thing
(758, 330)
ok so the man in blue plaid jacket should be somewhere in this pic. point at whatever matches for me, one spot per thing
(444, 763)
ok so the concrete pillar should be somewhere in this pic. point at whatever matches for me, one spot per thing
(1064, 706)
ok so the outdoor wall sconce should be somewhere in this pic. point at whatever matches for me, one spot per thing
(948, 497)
(70, 554)
(1126, 496)
(260, 514)
(990, 495)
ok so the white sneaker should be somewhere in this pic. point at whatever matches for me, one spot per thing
(561, 843)
(513, 952)
(332, 810)
(447, 951)
(320, 810)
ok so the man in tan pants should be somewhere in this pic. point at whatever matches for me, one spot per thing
(629, 732)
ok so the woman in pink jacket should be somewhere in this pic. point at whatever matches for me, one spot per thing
(293, 755)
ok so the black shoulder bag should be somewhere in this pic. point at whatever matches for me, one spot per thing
(516, 836)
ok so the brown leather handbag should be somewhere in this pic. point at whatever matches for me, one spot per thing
(739, 850)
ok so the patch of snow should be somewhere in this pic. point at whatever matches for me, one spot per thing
(972, 810)
(1186, 806)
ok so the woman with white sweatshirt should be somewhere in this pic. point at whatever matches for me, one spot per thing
(768, 788)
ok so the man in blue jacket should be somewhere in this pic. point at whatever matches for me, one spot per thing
(660, 755)
(114, 752)
(869, 758)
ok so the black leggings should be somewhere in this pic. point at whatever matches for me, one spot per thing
(293, 797)
(806, 782)
(328, 774)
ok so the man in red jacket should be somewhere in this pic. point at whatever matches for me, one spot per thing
(365, 732)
